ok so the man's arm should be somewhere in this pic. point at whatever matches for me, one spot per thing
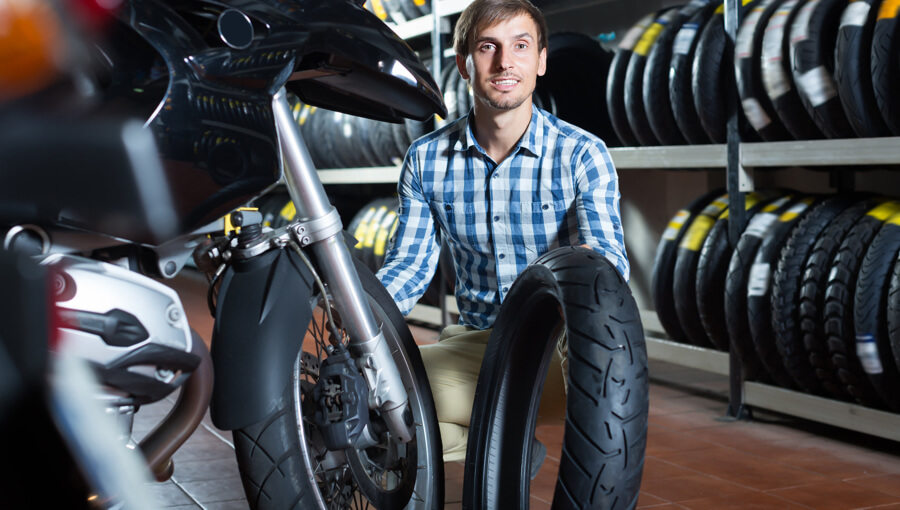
(597, 206)
(414, 252)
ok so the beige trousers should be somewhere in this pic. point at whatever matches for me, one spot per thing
(452, 366)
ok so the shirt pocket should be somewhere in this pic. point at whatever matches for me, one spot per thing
(461, 222)
(543, 223)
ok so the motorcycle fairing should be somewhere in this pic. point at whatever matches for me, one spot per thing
(209, 105)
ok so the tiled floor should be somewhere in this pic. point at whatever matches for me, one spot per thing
(695, 459)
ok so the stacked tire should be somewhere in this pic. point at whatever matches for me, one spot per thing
(801, 69)
(810, 299)
(398, 11)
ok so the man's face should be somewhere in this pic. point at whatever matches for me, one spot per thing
(504, 63)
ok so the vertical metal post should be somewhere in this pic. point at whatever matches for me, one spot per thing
(736, 188)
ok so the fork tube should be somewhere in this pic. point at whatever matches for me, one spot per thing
(308, 195)
(336, 266)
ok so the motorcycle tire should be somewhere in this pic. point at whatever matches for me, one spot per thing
(853, 57)
(885, 69)
(712, 270)
(607, 402)
(656, 78)
(663, 274)
(786, 291)
(759, 291)
(275, 455)
(873, 345)
(615, 83)
(684, 48)
(684, 286)
(777, 77)
(813, 39)
(737, 281)
(839, 302)
(635, 109)
(748, 73)
(812, 304)
(893, 314)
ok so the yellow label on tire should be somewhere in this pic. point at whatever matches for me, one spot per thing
(894, 220)
(697, 232)
(384, 230)
(675, 225)
(643, 46)
(885, 210)
(369, 241)
(288, 212)
(379, 10)
(888, 9)
(798, 208)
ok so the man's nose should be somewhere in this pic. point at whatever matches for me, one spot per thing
(504, 59)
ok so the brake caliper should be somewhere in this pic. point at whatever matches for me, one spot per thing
(341, 395)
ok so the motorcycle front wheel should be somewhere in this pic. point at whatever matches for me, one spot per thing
(284, 463)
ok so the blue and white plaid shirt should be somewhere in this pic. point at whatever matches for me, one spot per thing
(558, 187)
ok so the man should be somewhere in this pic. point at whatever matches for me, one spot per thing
(502, 186)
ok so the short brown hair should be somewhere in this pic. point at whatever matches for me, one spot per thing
(488, 12)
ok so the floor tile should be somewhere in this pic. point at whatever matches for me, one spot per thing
(647, 501)
(750, 501)
(662, 442)
(888, 484)
(200, 470)
(839, 468)
(835, 496)
(168, 494)
(211, 491)
(694, 486)
(658, 469)
(769, 475)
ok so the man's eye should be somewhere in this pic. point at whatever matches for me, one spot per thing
(521, 46)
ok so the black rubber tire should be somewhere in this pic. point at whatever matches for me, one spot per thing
(634, 79)
(372, 227)
(383, 139)
(416, 129)
(680, 95)
(451, 78)
(839, 302)
(712, 270)
(401, 141)
(274, 469)
(853, 64)
(893, 316)
(812, 304)
(380, 10)
(885, 67)
(813, 39)
(759, 291)
(367, 156)
(870, 312)
(615, 84)
(663, 274)
(576, 77)
(748, 73)
(736, 283)
(423, 6)
(786, 284)
(777, 77)
(410, 10)
(607, 403)
(656, 79)
(394, 9)
(711, 77)
(686, 260)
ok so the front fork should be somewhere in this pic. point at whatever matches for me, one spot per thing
(367, 344)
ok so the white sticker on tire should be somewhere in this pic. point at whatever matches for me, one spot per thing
(867, 352)
(755, 113)
(743, 47)
(760, 224)
(684, 38)
(758, 284)
(817, 85)
(800, 26)
(633, 34)
(855, 14)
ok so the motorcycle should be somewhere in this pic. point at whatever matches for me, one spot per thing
(315, 370)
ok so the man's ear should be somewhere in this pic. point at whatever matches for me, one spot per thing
(542, 62)
(461, 65)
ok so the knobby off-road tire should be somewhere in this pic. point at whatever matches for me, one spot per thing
(607, 401)
(777, 77)
(615, 84)
(873, 345)
(736, 282)
(759, 291)
(839, 297)
(281, 458)
(786, 291)
(663, 272)
(812, 300)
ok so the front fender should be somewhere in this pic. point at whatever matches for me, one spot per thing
(262, 313)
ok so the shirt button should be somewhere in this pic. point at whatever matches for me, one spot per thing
(545, 207)
(502, 256)
(505, 289)
(496, 176)
(496, 218)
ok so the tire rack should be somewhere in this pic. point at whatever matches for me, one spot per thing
(843, 153)
(738, 160)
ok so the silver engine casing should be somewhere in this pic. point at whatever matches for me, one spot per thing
(132, 329)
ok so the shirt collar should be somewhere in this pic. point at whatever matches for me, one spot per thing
(532, 140)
